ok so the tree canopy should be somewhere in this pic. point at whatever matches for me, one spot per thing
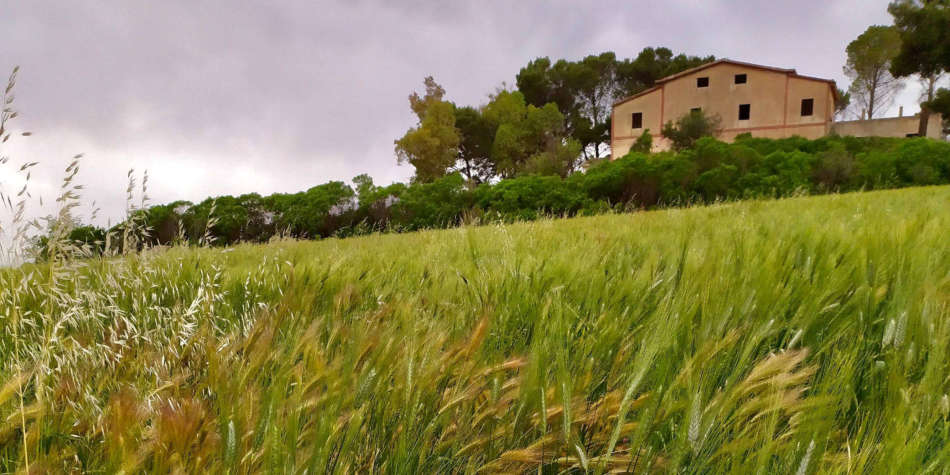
(941, 104)
(869, 66)
(557, 118)
(584, 90)
(474, 152)
(432, 146)
(924, 29)
(528, 139)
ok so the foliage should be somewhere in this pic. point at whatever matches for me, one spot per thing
(477, 134)
(709, 171)
(432, 146)
(558, 118)
(924, 37)
(868, 65)
(559, 158)
(584, 90)
(90, 239)
(317, 212)
(834, 167)
(644, 143)
(925, 45)
(842, 102)
(529, 197)
(432, 205)
(941, 105)
(639, 180)
(923, 162)
(691, 127)
(641, 73)
(796, 336)
(528, 138)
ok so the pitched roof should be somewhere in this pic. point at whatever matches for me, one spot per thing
(792, 72)
(723, 61)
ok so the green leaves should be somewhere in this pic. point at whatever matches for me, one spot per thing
(584, 90)
(529, 139)
(691, 127)
(710, 171)
(432, 146)
(869, 62)
(924, 37)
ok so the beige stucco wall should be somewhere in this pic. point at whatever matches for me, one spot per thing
(764, 92)
(774, 98)
(890, 127)
(824, 108)
(623, 135)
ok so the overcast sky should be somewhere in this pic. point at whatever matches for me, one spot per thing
(228, 97)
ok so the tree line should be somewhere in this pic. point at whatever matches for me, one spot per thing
(554, 121)
(709, 171)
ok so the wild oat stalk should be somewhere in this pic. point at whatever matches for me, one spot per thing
(7, 113)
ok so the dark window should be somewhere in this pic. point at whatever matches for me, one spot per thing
(741, 78)
(702, 82)
(808, 107)
(638, 120)
(744, 111)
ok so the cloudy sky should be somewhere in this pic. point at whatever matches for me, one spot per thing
(229, 97)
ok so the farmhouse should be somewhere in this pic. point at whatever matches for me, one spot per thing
(748, 98)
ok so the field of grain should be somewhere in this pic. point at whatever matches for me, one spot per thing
(793, 336)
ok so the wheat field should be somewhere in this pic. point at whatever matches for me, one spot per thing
(787, 336)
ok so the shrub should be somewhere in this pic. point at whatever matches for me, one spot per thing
(433, 205)
(644, 143)
(921, 161)
(525, 197)
(317, 212)
(718, 182)
(834, 168)
(876, 169)
(787, 173)
(691, 127)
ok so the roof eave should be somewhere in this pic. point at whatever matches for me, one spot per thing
(639, 94)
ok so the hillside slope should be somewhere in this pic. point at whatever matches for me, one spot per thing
(791, 336)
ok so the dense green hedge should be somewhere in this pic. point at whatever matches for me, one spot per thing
(710, 171)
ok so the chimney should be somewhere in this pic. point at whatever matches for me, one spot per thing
(900, 111)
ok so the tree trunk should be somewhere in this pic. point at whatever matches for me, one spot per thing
(595, 112)
(468, 170)
(924, 119)
(924, 111)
